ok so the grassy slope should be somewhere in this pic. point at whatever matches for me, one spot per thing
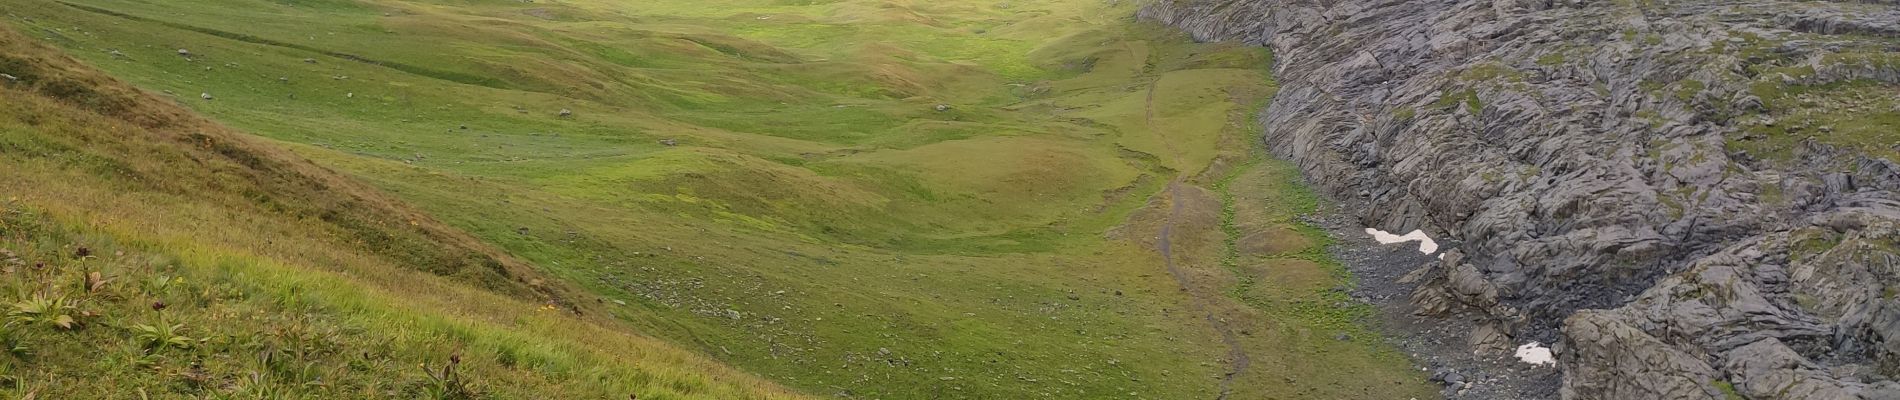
(820, 221)
(281, 279)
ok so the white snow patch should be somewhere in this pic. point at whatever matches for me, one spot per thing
(1425, 243)
(1535, 353)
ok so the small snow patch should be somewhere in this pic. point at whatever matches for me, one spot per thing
(1425, 243)
(1535, 353)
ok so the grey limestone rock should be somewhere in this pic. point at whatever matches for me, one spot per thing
(1593, 162)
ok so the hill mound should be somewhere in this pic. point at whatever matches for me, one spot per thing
(147, 252)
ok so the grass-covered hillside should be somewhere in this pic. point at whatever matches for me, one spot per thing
(147, 253)
(851, 198)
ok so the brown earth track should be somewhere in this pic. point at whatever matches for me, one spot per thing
(1237, 355)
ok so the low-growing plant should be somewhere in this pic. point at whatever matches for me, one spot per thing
(159, 285)
(257, 385)
(40, 309)
(446, 384)
(162, 336)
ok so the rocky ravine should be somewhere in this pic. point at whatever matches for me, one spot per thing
(1694, 199)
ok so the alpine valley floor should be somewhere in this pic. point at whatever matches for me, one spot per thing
(836, 198)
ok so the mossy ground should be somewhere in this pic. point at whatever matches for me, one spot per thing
(1860, 116)
(1857, 115)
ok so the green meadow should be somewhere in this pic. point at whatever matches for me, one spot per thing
(846, 198)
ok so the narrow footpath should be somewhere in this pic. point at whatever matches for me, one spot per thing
(1236, 355)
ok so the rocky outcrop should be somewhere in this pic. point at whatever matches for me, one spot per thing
(1653, 186)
